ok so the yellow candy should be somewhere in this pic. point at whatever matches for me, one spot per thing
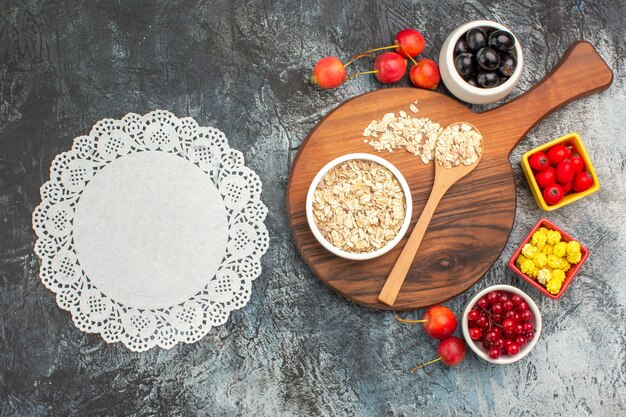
(554, 261)
(559, 249)
(573, 247)
(529, 268)
(547, 249)
(558, 275)
(543, 229)
(540, 260)
(553, 237)
(529, 251)
(543, 276)
(520, 259)
(574, 258)
(553, 286)
(539, 239)
(565, 265)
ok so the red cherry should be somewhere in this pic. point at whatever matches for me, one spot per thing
(483, 322)
(390, 67)
(516, 299)
(577, 161)
(425, 74)
(553, 194)
(582, 182)
(475, 333)
(491, 335)
(410, 43)
(512, 349)
(520, 340)
(329, 72)
(518, 329)
(539, 161)
(557, 153)
(451, 350)
(507, 343)
(496, 308)
(509, 315)
(565, 172)
(504, 297)
(528, 327)
(439, 322)
(523, 306)
(507, 305)
(529, 335)
(546, 177)
(494, 353)
(499, 343)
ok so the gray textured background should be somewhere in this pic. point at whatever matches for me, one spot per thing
(297, 348)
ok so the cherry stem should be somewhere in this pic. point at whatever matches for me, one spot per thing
(364, 54)
(424, 364)
(394, 46)
(362, 73)
(405, 53)
(401, 320)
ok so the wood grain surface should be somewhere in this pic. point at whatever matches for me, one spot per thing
(473, 220)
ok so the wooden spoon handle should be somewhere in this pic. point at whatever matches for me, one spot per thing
(400, 270)
(580, 72)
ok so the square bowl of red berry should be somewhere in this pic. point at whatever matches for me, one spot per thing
(560, 172)
(548, 258)
(501, 324)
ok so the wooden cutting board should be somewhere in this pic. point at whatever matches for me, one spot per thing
(473, 220)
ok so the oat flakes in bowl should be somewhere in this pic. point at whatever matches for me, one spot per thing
(359, 206)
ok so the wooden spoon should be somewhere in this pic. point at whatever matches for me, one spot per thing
(444, 179)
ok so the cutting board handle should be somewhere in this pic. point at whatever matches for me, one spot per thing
(579, 73)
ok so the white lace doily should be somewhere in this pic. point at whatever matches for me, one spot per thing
(150, 230)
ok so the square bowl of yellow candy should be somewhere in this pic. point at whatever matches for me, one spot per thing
(548, 258)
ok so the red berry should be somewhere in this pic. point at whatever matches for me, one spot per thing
(390, 67)
(546, 177)
(523, 306)
(509, 315)
(499, 343)
(475, 333)
(451, 350)
(557, 153)
(565, 172)
(507, 343)
(508, 325)
(497, 318)
(410, 43)
(496, 308)
(520, 340)
(504, 297)
(440, 322)
(507, 305)
(482, 302)
(516, 299)
(582, 182)
(529, 335)
(329, 72)
(483, 322)
(494, 353)
(553, 194)
(493, 297)
(577, 161)
(567, 187)
(512, 349)
(526, 315)
(539, 161)
(528, 327)
(425, 74)
(473, 315)
(518, 329)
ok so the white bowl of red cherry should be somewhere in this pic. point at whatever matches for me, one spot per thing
(501, 324)
(481, 62)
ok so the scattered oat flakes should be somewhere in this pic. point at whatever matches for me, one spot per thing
(417, 135)
(458, 144)
(359, 206)
(414, 108)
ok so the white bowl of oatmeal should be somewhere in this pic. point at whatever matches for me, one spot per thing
(359, 206)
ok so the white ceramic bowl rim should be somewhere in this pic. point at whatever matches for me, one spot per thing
(407, 196)
(525, 350)
(486, 92)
